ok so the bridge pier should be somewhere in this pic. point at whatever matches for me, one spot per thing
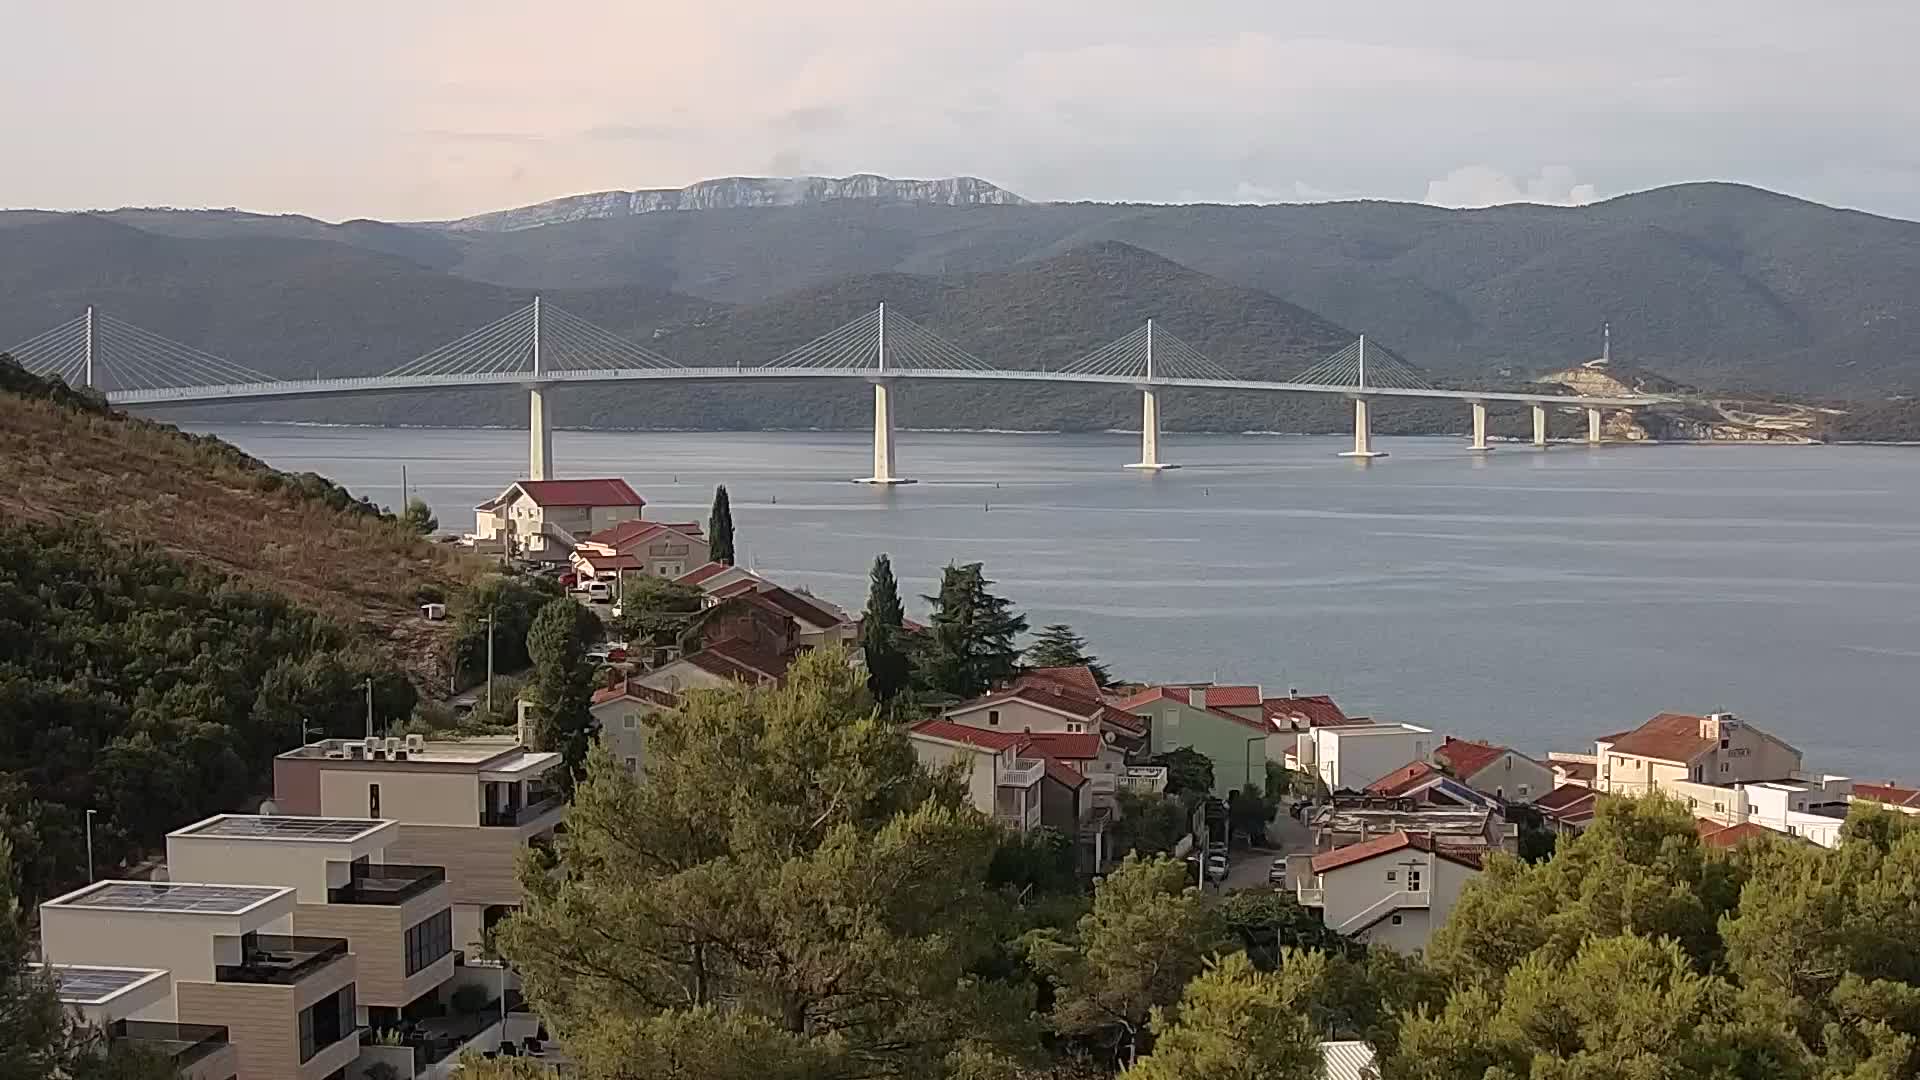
(1150, 433)
(1593, 425)
(1539, 425)
(1362, 433)
(883, 437)
(540, 436)
(1479, 427)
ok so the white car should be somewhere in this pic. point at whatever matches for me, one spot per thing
(1217, 867)
(599, 592)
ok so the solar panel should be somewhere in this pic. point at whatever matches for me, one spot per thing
(93, 985)
(287, 828)
(165, 896)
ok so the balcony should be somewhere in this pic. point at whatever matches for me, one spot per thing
(1024, 773)
(280, 960)
(510, 816)
(1144, 779)
(389, 884)
(181, 1044)
(1310, 896)
(1019, 820)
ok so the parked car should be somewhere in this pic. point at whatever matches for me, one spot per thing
(1277, 874)
(1217, 867)
(616, 656)
(569, 580)
(599, 592)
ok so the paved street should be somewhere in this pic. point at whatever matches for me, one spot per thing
(1248, 867)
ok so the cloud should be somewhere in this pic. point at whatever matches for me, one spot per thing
(1471, 186)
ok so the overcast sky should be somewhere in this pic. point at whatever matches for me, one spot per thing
(404, 109)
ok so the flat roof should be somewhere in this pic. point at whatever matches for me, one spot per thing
(474, 751)
(531, 762)
(171, 897)
(1451, 822)
(81, 984)
(254, 827)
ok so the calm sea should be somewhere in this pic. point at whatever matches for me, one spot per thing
(1534, 598)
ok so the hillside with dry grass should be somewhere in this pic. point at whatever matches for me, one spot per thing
(210, 505)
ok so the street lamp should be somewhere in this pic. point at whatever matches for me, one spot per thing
(90, 814)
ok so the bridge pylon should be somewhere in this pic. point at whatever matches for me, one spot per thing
(1479, 444)
(1150, 417)
(1539, 425)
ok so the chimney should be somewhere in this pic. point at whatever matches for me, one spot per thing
(1198, 696)
(1293, 691)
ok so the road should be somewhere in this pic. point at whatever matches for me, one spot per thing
(1247, 867)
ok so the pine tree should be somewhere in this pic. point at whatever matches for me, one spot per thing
(563, 682)
(1058, 646)
(720, 528)
(882, 635)
(970, 647)
(418, 516)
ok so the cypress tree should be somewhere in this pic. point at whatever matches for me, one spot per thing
(971, 645)
(720, 528)
(882, 634)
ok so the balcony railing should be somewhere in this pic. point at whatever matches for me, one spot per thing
(388, 883)
(519, 815)
(1144, 779)
(1310, 896)
(281, 960)
(1024, 773)
(181, 1044)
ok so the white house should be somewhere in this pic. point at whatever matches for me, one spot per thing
(1394, 890)
(1499, 771)
(545, 519)
(622, 711)
(1349, 757)
(1000, 782)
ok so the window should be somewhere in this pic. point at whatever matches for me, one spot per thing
(327, 1021)
(1390, 876)
(1413, 880)
(1724, 767)
(1396, 920)
(428, 940)
(633, 765)
(993, 717)
(627, 722)
(1075, 729)
(1724, 744)
(373, 800)
(1523, 790)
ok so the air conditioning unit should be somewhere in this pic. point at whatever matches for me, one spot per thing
(393, 745)
(355, 752)
(373, 745)
(416, 744)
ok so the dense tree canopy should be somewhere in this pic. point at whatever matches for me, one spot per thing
(1056, 645)
(883, 634)
(562, 686)
(418, 516)
(511, 600)
(970, 644)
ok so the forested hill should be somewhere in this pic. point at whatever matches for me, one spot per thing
(172, 614)
(1722, 286)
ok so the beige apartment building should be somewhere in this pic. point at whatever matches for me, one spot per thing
(1000, 782)
(397, 918)
(469, 806)
(109, 997)
(288, 1001)
(1679, 753)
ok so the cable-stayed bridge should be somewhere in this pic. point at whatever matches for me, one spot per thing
(540, 346)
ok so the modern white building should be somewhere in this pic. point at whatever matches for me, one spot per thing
(1350, 757)
(108, 999)
(1805, 807)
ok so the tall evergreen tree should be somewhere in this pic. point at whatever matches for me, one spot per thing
(970, 646)
(720, 528)
(1058, 646)
(563, 682)
(882, 635)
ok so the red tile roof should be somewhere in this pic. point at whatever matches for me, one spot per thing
(1401, 779)
(629, 688)
(1392, 842)
(1077, 679)
(803, 608)
(600, 562)
(1078, 746)
(1890, 793)
(731, 658)
(1318, 710)
(1575, 770)
(734, 588)
(1714, 834)
(1564, 796)
(1061, 773)
(972, 736)
(630, 534)
(608, 491)
(1466, 756)
(1667, 737)
(702, 572)
(1233, 697)
(1179, 693)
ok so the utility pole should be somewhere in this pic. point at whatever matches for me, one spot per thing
(369, 706)
(90, 814)
(89, 345)
(489, 662)
(403, 489)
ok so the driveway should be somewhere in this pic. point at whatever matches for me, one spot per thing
(1247, 867)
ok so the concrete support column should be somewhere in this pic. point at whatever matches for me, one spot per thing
(1593, 426)
(1150, 433)
(1479, 427)
(540, 437)
(1362, 433)
(1539, 425)
(882, 437)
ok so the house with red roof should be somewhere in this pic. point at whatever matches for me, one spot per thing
(654, 548)
(1003, 780)
(1232, 736)
(544, 520)
(1349, 757)
(1673, 752)
(622, 711)
(1393, 890)
(1086, 734)
(1297, 712)
(1568, 809)
(1890, 795)
(1499, 771)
